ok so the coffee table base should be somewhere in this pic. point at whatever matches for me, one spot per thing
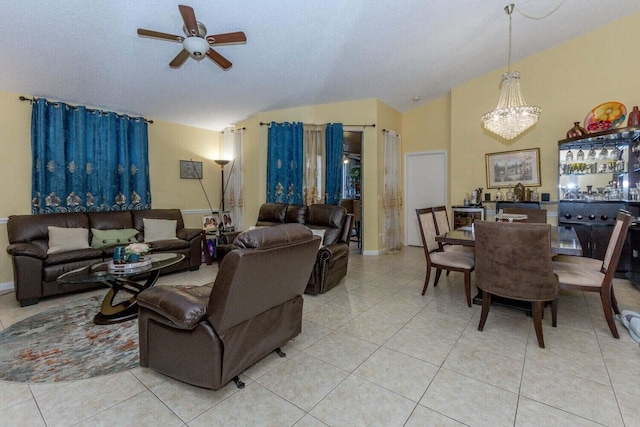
(129, 313)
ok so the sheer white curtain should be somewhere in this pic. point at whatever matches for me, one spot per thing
(314, 157)
(234, 194)
(391, 198)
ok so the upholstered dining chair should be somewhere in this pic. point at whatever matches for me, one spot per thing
(441, 219)
(533, 215)
(513, 260)
(589, 275)
(439, 259)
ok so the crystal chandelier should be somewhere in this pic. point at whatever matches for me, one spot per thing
(512, 116)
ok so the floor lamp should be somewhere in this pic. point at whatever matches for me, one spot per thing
(222, 164)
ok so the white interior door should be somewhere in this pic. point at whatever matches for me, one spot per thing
(425, 185)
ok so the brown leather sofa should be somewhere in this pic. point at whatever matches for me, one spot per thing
(208, 335)
(333, 257)
(35, 272)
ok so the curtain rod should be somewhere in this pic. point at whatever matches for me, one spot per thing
(32, 100)
(372, 125)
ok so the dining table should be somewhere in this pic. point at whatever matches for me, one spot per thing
(564, 241)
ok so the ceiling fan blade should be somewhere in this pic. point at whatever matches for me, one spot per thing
(227, 38)
(158, 35)
(179, 59)
(189, 18)
(223, 62)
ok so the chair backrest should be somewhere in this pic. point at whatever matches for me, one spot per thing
(331, 218)
(533, 215)
(357, 210)
(616, 241)
(427, 226)
(513, 260)
(271, 266)
(442, 219)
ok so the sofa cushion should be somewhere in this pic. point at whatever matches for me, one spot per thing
(26, 228)
(273, 237)
(329, 217)
(67, 239)
(159, 229)
(111, 220)
(271, 214)
(139, 216)
(168, 245)
(320, 233)
(296, 213)
(104, 238)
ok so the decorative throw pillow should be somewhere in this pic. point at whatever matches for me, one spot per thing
(159, 229)
(103, 238)
(63, 239)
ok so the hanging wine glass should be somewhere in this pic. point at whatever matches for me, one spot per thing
(604, 153)
(592, 154)
(580, 155)
(568, 157)
(613, 154)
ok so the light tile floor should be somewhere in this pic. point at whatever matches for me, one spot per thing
(374, 352)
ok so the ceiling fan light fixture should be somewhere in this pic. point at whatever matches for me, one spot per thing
(196, 46)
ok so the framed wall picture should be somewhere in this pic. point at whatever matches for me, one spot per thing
(513, 167)
(190, 169)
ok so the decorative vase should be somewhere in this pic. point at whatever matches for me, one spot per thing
(133, 258)
(119, 255)
(576, 130)
(634, 117)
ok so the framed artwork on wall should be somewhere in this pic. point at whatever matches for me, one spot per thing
(190, 169)
(513, 167)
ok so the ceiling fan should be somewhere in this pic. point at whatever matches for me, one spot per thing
(196, 43)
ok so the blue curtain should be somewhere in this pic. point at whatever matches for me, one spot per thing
(87, 160)
(284, 163)
(333, 184)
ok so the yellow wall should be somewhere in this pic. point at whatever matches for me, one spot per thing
(361, 112)
(566, 81)
(168, 143)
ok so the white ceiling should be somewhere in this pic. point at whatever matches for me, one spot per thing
(298, 52)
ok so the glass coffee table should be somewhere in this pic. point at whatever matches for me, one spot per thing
(110, 310)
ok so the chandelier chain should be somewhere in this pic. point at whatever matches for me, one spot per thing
(537, 18)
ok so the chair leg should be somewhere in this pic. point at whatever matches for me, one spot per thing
(435, 281)
(467, 286)
(486, 303)
(426, 280)
(554, 312)
(606, 307)
(537, 308)
(614, 302)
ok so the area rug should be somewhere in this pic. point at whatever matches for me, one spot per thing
(63, 344)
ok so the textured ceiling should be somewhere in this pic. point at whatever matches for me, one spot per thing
(297, 52)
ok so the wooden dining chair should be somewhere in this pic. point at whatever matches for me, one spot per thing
(441, 219)
(439, 259)
(589, 275)
(513, 260)
(533, 215)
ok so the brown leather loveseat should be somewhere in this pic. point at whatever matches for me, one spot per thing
(208, 335)
(330, 220)
(35, 270)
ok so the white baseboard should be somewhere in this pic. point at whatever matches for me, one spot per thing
(372, 252)
(6, 287)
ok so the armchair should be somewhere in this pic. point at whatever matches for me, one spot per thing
(207, 336)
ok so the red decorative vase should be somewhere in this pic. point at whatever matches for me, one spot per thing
(576, 130)
(634, 117)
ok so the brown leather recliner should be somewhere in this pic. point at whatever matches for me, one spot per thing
(207, 336)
